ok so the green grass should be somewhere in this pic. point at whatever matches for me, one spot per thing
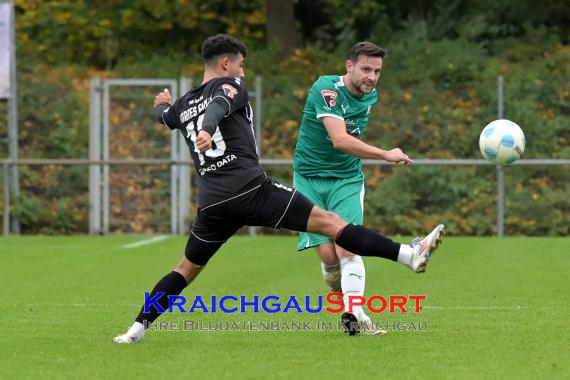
(495, 308)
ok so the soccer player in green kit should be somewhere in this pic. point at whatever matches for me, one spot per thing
(328, 166)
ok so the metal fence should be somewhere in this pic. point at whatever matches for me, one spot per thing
(111, 138)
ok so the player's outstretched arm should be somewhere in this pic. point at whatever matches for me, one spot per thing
(351, 145)
(217, 109)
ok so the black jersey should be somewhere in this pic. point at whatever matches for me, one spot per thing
(231, 165)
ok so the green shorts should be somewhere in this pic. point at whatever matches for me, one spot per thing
(344, 196)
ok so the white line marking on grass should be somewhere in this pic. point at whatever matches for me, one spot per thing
(137, 244)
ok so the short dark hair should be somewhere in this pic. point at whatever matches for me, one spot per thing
(367, 49)
(221, 44)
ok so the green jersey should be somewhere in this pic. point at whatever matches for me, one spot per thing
(315, 154)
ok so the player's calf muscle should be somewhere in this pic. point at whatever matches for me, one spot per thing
(188, 269)
(325, 222)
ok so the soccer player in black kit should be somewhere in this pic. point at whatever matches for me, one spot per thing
(216, 120)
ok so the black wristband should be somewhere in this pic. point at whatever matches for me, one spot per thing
(159, 110)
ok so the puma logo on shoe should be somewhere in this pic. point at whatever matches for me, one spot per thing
(355, 275)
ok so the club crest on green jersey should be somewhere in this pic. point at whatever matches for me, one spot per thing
(329, 97)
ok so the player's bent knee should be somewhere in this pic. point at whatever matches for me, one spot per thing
(199, 251)
(326, 249)
(327, 254)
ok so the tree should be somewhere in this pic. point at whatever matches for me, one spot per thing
(280, 17)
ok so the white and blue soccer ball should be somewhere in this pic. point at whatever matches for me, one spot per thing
(502, 142)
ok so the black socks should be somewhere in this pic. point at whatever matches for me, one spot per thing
(172, 285)
(365, 242)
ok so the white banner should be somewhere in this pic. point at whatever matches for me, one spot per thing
(5, 40)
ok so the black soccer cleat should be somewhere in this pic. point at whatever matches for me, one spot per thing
(350, 324)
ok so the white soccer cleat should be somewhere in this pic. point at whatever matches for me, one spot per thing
(367, 327)
(127, 339)
(134, 335)
(422, 249)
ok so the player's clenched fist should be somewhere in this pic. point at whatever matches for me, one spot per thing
(203, 141)
(163, 97)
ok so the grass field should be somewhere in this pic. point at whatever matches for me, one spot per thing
(495, 308)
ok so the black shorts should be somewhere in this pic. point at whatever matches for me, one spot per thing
(269, 204)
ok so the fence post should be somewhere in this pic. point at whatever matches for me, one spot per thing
(12, 103)
(6, 216)
(184, 184)
(95, 155)
(499, 168)
(252, 231)
(174, 173)
(106, 155)
(258, 113)
(500, 201)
